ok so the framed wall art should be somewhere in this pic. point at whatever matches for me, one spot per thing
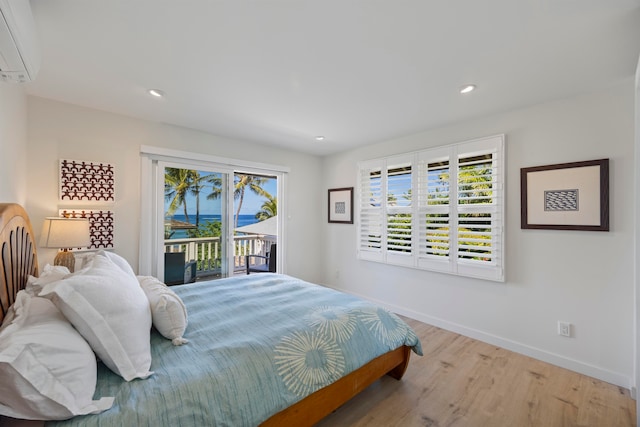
(567, 196)
(341, 205)
(86, 181)
(100, 226)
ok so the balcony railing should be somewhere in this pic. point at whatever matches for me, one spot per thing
(207, 254)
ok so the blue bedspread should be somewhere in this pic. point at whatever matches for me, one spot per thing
(257, 344)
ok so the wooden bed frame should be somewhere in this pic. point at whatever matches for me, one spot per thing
(18, 260)
(18, 257)
(318, 405)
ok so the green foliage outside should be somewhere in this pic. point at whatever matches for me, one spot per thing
(399, 232)
(269, 209)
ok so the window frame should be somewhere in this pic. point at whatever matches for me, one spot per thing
(373, 210)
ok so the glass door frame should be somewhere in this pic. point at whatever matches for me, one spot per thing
(150, 263)
(226, 235)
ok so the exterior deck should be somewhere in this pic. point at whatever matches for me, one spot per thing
(206, 252)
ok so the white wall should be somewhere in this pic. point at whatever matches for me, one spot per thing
(13, 143)
(585, 278)
(58, 130)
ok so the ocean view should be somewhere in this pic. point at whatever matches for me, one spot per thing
(181, 234)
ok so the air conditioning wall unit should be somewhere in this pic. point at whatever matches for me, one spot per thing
(19, 49)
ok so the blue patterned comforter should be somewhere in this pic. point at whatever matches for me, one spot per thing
(257, 344)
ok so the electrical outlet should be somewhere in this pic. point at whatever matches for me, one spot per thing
(564, 329)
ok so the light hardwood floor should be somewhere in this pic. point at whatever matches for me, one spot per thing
(463, 382)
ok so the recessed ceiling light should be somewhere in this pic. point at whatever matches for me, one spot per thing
(467, 88)
(319, 138)
(156, 92)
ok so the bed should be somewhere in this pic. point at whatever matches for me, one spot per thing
(257, 352)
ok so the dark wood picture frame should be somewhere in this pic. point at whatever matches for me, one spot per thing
(340, 205)
(565, 196)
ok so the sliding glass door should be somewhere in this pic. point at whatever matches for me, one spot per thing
(202, 217)
(255, 206)
(205, 235)
(196, 224)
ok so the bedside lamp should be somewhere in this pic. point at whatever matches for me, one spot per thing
(65, 233)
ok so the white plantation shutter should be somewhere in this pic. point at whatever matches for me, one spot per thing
(370, 211)
(440, 209)
(480, 208)
(434, 213)
(399, 212)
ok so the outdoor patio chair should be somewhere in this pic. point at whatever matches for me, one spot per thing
(269, 264)
(176, 270)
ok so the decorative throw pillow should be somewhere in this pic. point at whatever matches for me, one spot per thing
(108, 308)
(48, 370)
(167, 309)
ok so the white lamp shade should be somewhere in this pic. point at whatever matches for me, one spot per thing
(65, 233)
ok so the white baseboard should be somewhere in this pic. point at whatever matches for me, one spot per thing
(545, 356)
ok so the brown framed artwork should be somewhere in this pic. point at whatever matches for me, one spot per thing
(341, 205)
(566, 196)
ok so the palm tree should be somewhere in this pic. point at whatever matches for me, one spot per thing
(177, 184)
(198, 183)
(268, 209)
(241, 183)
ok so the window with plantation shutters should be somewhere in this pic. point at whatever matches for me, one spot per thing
(439, 209)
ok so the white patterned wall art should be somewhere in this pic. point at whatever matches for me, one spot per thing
(86, 181)
(100, 225)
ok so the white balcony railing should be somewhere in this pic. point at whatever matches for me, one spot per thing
(206, 251)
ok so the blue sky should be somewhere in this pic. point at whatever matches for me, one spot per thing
(251, 204)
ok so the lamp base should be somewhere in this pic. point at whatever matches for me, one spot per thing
(65, 258)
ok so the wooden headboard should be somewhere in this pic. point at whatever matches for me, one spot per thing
(18, 258)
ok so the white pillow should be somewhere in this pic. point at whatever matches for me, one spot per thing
(108, 308)
(48, 370)
(50, 273)
(167, 309)
(122, 263)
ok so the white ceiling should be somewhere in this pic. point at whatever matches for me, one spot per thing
(281, 72)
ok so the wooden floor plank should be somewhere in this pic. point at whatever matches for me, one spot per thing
(462, 382)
